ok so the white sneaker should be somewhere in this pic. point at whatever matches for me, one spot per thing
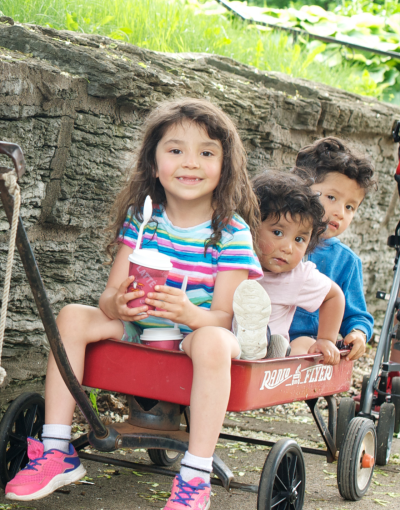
(252, 309)
(278, 347)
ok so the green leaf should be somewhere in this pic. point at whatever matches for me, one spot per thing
(368, 20)
(126, 30)
(105, 20)
(93, 398)
(118, 35)
(394, 22)
(71, 22)
(381, 502)
(380, 472)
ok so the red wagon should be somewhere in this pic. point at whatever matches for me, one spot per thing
(158, 385)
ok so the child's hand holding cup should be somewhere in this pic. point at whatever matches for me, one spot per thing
(150, 268)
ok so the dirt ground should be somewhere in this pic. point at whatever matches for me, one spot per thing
(111, 488)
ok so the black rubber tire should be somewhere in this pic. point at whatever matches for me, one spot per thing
(360, 438)
(163, 457)
(24, 418)
(384, 433)
(283, 478)
(346, 412)
(363, 390)
(396, 402)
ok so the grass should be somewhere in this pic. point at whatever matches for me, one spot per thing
(182, 26)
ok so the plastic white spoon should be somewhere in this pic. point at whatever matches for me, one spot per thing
(147, 212)
(184, 285)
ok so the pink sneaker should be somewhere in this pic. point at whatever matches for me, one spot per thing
(45, 472)
(194, 495)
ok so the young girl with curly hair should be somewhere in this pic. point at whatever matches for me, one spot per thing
(192, 164)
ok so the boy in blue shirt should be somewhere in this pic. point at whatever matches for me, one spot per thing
(343, 179)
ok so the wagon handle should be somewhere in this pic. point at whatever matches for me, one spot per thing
(39, 293)
(13, 151)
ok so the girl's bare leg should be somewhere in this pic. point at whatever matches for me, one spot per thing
(211, 350)
(301, 345)
(79, 326)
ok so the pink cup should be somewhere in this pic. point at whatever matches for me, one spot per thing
(162, 338)
(150, 268)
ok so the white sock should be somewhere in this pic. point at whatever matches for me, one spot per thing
(193, 466)
(57, 437)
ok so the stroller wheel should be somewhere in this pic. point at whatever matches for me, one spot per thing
(396, 402)
(384, 433)
(283, 478)
(363, 390)
(353, 474)
(23, 418)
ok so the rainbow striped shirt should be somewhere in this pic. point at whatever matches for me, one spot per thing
(185, 247)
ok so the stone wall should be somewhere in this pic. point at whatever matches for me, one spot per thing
(75, 104)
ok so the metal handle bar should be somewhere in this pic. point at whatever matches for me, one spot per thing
(382, 347)
(43, 306)
(13, 151)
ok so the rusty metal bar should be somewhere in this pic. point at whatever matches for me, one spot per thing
(263, 442)
(13, 151)
(159, 471)
(325, 433)
(49, 323)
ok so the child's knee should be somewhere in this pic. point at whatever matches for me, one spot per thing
(76, 319)
(213, 345)
(69, 313)
(301, 345)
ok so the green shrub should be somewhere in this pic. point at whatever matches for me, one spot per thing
(191, 26)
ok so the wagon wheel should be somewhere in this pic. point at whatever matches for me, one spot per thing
(356, 459)
(283, 478)
(396, 402)
(163, 457)
(384, 433)
(346, 413)
(23, 418)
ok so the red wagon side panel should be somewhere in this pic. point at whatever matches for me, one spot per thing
(167, 375)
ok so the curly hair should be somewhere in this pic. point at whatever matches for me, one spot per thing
(281, 194)
(233, 193)
(332, 155)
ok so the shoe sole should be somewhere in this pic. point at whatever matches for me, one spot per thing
(205, 508)
(252, 308)
(54, 484)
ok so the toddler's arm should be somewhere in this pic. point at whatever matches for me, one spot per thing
(330, 319)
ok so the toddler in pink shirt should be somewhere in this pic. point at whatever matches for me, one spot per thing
(291, 224)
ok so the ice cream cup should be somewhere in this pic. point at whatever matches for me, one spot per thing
(150, 268)
(162, 338)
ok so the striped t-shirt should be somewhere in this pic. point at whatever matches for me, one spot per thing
(185, 247)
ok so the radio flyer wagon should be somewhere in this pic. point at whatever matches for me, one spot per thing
(158, 384)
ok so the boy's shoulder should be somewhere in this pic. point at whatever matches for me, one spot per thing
(337, 248)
